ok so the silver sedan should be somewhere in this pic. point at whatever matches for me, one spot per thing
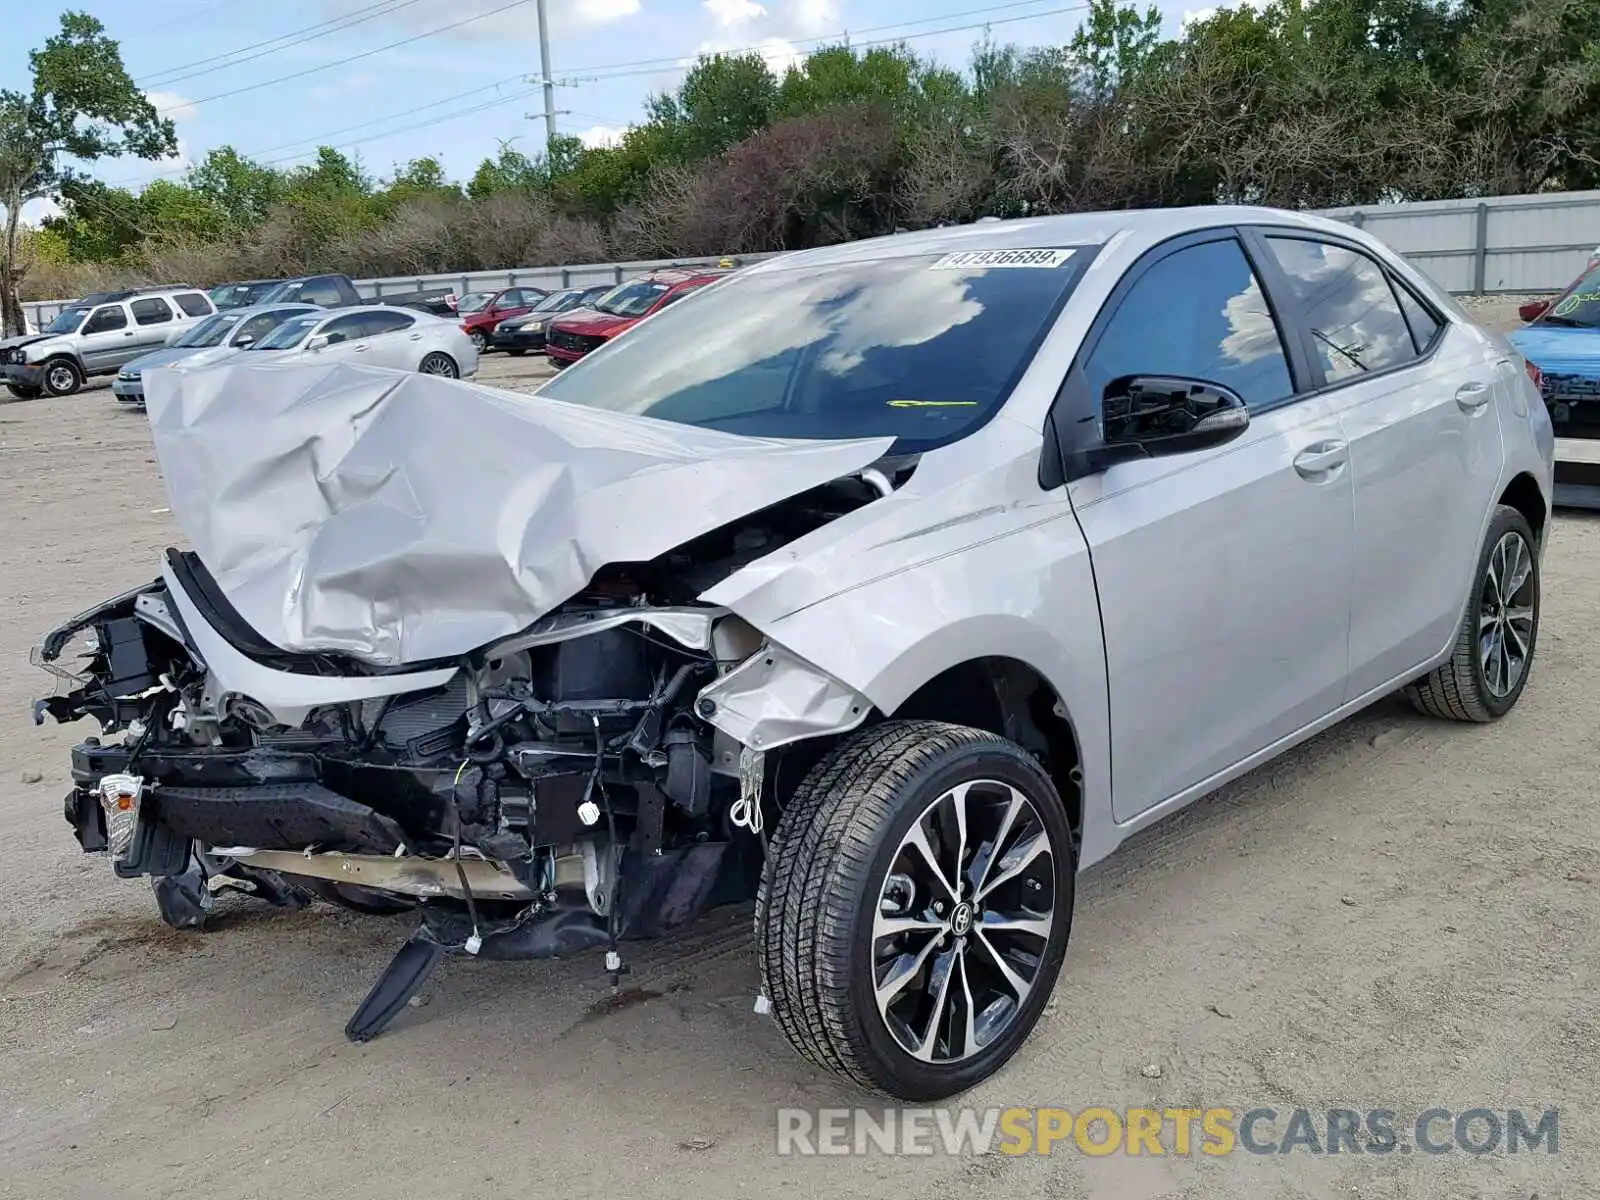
(380, 336)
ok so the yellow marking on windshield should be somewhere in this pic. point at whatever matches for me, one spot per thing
(933, 404)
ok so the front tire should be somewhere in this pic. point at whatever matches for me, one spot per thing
(440, 364)
(480, 342)
(915, 906)
(61, 377)
(1494, 646)
(23, 392)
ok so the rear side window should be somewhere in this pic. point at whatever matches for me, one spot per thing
(1424, 325)
(1198, 313)
(152, 310)
(1349, 306)
(194, 304)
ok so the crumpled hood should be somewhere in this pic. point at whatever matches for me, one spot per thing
(1559, 350)
(401, 517)
(26, 339)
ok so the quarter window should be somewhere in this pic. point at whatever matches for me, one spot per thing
(1424, 325)
(194, 304)
(151, 311)
(1198, 313)
(370, 324)
(1349, 307)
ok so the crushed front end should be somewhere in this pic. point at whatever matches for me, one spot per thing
(564, 789)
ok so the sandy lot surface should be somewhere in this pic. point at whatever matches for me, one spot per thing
(1401, 914)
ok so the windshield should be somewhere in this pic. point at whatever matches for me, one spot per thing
(209, 332)
(290, 334)
(67, 320)
(238, 295)
(556, 301)
(474, 302)
(923, 349)
(630, 299)
(1579, 305)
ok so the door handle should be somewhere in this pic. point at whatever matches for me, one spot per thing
(129, 333)
(416, 337)
(1471, 396)
(1319, 458)
(362, 349)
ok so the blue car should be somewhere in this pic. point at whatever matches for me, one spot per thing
(1564, 343)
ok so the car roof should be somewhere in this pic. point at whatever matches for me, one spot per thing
(1150, 225)
(293, 308)
(676, 275)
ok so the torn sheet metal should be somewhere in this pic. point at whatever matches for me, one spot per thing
(403, 517)
(775, 697)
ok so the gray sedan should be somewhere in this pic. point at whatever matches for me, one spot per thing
(212, 340)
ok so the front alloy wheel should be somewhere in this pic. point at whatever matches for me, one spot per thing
(480, 341)
(915, 906)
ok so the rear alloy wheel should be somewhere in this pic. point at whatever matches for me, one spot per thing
(1494, 646)
(441, 364)
(61, 377)
(915, 907)
(480, 341)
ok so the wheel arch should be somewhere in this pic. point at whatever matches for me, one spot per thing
(1525, 495)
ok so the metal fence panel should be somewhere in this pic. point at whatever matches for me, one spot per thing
(1497, 244)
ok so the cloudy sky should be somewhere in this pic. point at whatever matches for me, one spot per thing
(393, 80)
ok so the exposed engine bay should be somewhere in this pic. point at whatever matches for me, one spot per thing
(564, 789)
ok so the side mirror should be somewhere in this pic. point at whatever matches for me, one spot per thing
(1533, 309)
(244, 343)
(1150, 416)
(317, 343)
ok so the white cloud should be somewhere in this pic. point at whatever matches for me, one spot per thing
(172, 105)
(814, 18)
(729, 14)
(1194, 16)
(601, 135)
(35, 211)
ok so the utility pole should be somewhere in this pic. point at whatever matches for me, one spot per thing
(544, 74)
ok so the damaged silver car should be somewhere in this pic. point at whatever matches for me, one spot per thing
(887, 585)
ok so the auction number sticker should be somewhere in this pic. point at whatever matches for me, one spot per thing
(968, 260)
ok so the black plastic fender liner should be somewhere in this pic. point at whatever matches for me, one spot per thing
(277, 816)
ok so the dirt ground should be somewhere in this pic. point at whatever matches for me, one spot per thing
(1400, 914)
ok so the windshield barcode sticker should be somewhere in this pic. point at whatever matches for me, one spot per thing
(968, 260)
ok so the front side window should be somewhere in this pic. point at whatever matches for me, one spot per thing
(107, 319)
(258, 326)
(290, 334)
(923, 349)
(1198, 313)
(1346, 300)
(630, 299)
(380, 320)
(151, 311)
(193, 304)
(344, 329)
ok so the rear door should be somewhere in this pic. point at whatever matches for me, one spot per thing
(1224, 574)
(1416, 395)
(153, 320)
(390, 339)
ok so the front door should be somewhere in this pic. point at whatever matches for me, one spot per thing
(154, 323)
(1223, 575)
(108, 339)
(1417, 398)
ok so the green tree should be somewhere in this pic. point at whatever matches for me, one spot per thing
(98, 223)
(82, 106)
(242, 190)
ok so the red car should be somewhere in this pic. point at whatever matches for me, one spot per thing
(572, 336)
(482, 311)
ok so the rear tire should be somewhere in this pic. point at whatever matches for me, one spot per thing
(440, 364)
(516, 352)
(874, 969)
(23, 392)
(62, 377)
(1494, 646)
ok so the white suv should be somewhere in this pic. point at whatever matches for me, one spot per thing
(96, 337)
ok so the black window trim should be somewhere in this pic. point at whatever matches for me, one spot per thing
(127, 318)
(1073, 425)
(1289, 305)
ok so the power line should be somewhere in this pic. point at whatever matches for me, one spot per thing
(339, 62)
(600, 71)
(168, 76)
